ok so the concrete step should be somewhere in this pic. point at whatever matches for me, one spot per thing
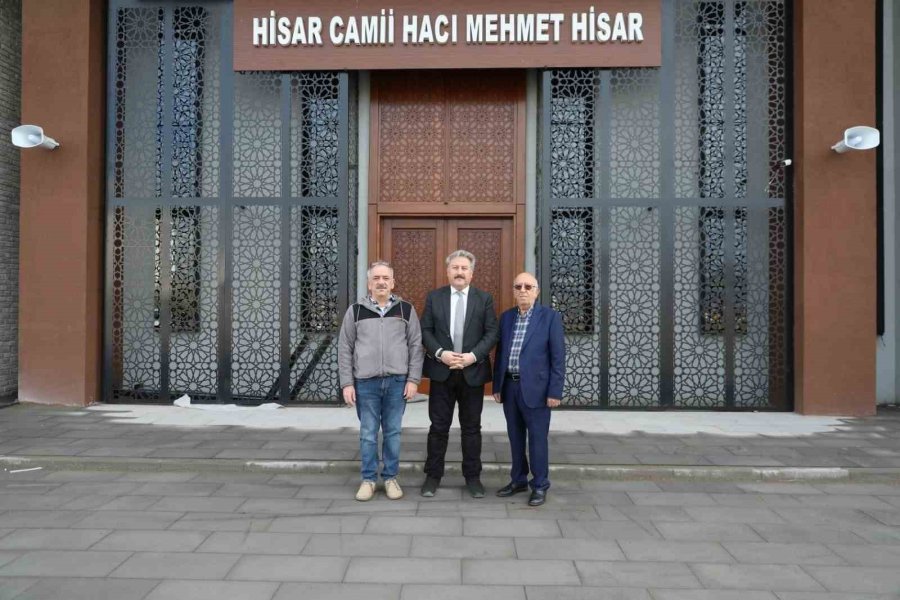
(558, 471)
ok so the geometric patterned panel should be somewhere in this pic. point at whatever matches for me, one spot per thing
(314, 303)
(314, 135)
(575, 293)
(412, 132)
(634, 132)
(752, 347)
(778, 322)
(573, 233)
(134, 331)
(760, 351)
(714, 272)
(256, 301)
(482, 138)
(684, 163)
(138, 49)
(195, 260)
(195, 102)
(699, 354)
(759, 54)
(198, 201)
(447, 136)
(766, 59)
(257, 135)
(691, 19)
(352, 190)
(634, 307)
(572, 146)
(712, 56)
(116, 313)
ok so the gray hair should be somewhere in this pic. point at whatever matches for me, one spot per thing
(379, 263)
(461, 254)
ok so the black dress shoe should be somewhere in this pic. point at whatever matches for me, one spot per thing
(512, 488)
(537, 498)
(475, 488)
(430, 486)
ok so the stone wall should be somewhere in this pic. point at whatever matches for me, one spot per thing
(10, 93)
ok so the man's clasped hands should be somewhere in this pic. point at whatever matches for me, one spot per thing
(456, 360)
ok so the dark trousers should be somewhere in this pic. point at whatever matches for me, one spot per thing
(531, 424)
(441, 399)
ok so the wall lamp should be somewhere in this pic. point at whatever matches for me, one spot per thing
(31, 136)
(858, 138)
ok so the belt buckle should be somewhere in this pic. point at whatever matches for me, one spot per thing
(513, 376)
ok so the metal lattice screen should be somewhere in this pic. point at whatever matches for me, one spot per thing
(663, 213)
(228, 215)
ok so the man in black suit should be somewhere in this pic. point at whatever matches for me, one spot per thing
(459, 330)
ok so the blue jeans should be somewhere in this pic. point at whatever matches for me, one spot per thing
(380, 404)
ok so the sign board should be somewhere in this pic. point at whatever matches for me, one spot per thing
(301, 35)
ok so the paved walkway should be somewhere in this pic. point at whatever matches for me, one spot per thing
(633, 442)
(82, 517)
(86, 535)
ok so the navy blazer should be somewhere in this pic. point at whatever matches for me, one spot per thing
(542, 362)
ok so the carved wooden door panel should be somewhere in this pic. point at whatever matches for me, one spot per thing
(491, 241)
(416, 248)
(448, 141)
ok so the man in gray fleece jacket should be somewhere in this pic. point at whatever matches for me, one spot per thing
(380, 358)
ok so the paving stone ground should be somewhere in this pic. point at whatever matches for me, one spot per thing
(192, 528)
(258, 536)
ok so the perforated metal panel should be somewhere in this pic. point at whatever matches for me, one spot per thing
(228, 220)
(664, 220)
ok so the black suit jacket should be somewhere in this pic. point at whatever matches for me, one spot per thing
(480, 334)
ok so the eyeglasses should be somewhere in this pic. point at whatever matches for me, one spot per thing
(524, 286)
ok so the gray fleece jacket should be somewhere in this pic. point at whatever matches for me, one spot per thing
(372, 345)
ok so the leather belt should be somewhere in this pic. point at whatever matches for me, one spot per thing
(513, 376)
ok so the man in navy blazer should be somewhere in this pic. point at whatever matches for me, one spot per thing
(528, 380)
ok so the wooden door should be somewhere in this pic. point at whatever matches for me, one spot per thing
(447, 171)
(417, 248)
